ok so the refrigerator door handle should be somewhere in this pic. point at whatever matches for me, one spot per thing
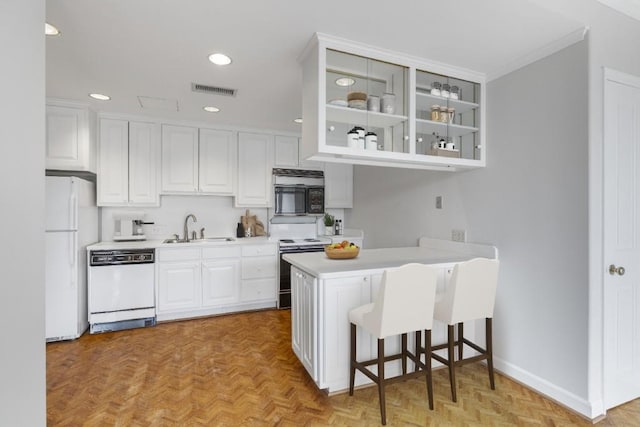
(73, 211)
(73, 255)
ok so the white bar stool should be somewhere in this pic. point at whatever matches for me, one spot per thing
(404, 304)
(470, 295)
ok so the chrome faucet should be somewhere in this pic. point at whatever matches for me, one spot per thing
(186, 228)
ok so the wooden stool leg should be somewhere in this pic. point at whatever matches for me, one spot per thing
(418, 349)
(489, 335)
(383, 413)
(451, 361)
(352, 373)
(427, 360)
(460, 339)
(404, 354)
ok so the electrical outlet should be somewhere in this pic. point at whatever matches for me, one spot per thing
(158, 230)
(458, 235)
(438, 202)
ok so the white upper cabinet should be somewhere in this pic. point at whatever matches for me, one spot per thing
(179, 159)
(198, 161)
(70, 137)
(338, 185)
(255, 164)
(128, 163)
(286, 151)
(218, 156)
(392, 98)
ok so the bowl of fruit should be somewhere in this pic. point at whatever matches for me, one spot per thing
(342, 250)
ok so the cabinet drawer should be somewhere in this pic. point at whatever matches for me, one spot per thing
(178, 254)
(221, 252)
(259, 250)
(257, 267)
(262, 289)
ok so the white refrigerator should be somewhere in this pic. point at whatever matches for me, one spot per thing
(71, 225)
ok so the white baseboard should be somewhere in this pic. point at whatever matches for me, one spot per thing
(563, 397)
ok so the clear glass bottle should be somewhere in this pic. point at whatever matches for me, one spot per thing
(435, 88)
(435, 113)
(444, 92)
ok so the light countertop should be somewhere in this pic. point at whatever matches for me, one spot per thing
(154, 244)
(368, 260)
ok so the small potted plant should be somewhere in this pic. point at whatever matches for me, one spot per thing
(329, 220)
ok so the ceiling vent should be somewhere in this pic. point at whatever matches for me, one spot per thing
(213, 90)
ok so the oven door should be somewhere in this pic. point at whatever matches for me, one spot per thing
(290, 200)
(284, 294)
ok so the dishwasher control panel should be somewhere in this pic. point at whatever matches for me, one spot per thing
(121, 257)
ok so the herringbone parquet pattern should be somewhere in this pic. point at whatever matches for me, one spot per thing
(239, 370)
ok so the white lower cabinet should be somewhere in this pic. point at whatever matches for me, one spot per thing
(259, 273)
(303, 320)
(206, 280)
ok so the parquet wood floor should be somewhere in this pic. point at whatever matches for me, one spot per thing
(239, 370)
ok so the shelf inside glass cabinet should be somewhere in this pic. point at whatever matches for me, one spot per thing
(354, 116)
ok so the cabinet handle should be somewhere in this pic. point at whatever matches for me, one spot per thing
(364, 279)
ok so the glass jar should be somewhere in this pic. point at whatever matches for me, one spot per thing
(435, 113)
(373, 103)
(435, 88)
(388, 103)
(444, 114)
(451, 113)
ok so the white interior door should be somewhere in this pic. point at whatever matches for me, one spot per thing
(621, 238)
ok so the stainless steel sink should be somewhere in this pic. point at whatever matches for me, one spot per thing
(206, 239)
(175, 241)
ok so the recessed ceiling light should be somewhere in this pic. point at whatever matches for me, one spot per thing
(345, 81)
(211, 109)
(298, 120)
(50, 30)
(220, 59)
(99, 96)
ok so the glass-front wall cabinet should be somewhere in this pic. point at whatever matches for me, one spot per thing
(447, 116)
(366, 104)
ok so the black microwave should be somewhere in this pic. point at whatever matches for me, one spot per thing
(298, 200)
(298, 192)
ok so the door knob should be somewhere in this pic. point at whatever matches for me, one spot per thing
(613, 270)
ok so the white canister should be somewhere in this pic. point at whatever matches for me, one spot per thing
(388, 103)
(371, 141)
(373, 103)
(450, 146)
(352, 138)
(360, 131)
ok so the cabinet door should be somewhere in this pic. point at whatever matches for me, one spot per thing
(68, 138)
(286, 151)
(144, 150)
(220, 282)
(297, 312)
(113, 161)
(179, 286)
(218, 158)
(340, 296)
(179, 159)
(338, 184)
(255, 162)
(309, 325)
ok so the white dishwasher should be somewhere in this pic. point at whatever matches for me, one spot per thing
(121, 289)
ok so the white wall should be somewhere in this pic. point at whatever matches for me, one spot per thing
(531, 202)
(22, 352)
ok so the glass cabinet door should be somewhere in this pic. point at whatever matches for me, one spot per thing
(447, 116)
(366, 104)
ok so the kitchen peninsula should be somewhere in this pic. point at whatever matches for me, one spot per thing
(325, 290)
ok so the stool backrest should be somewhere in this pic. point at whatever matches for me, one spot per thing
(471, 291)
(405, 301)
